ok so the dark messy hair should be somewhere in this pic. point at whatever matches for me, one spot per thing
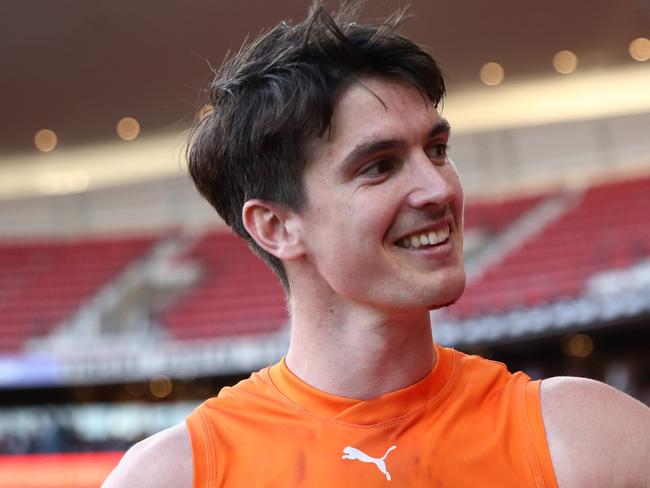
(276, 96)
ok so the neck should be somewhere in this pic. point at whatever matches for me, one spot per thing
(357, 352)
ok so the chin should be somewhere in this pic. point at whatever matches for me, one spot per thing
(452, 291)
(438, 307)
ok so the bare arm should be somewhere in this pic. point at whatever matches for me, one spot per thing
(163, 460)
(597, 435)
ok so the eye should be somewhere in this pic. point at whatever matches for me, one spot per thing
(437, 152)
(378, 168)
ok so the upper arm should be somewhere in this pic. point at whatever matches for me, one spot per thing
(597, 435)
(163, 460)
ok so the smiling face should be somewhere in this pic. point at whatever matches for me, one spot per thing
(382, 225)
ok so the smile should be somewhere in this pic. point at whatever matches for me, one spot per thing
(423, 239)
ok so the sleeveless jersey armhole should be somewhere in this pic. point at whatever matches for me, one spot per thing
(203, 449)
(537, 436)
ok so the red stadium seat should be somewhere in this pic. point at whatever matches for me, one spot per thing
(43, 283)
(238, 294)
(609, 229)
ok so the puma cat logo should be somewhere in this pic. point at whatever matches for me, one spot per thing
(353, 453)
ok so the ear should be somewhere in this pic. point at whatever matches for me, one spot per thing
(273, 227)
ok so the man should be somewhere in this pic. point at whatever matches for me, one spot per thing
(326, 152)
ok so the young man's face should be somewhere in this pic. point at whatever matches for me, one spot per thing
(383, 219)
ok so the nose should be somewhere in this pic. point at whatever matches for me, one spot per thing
(431, 183)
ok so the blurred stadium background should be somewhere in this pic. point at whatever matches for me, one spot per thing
(123, 300)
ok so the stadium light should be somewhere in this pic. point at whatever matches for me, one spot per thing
(45, 140)
(128, 128)
(565, 62)
(640, 49)
(491, 73)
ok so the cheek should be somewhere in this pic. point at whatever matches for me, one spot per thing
(348, 245)
(459, 200)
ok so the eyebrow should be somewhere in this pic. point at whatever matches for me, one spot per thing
(364, 149)
(440, 128)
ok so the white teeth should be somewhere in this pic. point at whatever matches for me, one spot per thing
(429, 239)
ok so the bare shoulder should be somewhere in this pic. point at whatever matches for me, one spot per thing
(597, 435)
(163, 460)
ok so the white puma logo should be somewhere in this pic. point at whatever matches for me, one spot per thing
(353, 453)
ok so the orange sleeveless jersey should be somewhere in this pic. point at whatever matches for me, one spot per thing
(469, 423)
